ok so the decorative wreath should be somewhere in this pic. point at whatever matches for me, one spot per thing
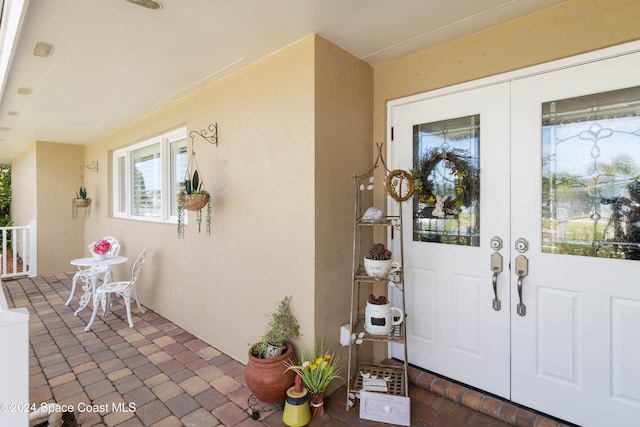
(466, 181)
(396, 186)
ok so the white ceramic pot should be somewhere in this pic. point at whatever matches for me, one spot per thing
(99, 257)
(384, 267)
(273, 351)
(378, 318)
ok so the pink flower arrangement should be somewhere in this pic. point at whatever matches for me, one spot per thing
(100, 247)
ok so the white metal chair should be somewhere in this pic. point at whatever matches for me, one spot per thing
(104, 271)
(125, 289)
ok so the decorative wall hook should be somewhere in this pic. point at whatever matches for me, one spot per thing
(204, 133)
(93, 166)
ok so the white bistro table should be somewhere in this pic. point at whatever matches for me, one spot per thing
(89, 286)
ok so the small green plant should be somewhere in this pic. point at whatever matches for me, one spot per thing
(282, 326)
(82, 193)
(192, 186)
(317, 368)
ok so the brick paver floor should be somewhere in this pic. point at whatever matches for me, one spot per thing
(157, 374)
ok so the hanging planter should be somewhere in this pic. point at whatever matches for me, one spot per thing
(80, 201)
(193, 197)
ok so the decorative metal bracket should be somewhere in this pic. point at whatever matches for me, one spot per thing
(204, 133)
(93, 166)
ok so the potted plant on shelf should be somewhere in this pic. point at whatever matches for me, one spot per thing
(317, 368)
(266, 372)
(193, 198)
(378, 261)
(80, 201)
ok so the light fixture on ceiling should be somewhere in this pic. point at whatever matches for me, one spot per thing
(25, 91)
(5, 129)
(13, 113)
(43, 49)
(149, 4)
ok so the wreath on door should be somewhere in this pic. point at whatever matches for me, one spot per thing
(465, 175)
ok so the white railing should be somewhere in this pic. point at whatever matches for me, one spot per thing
(19, 250)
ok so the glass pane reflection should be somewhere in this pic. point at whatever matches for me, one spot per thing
(446, 157)
(590, 175)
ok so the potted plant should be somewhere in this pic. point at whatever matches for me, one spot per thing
(99, 249)
(266, 374)
(193, 198)
(378, 261)
(80, 201)
(317, 368)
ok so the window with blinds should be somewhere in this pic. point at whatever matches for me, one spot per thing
(148, 176)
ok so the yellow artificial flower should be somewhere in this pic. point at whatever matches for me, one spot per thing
(327, 356)
(319, 360)
(314, 367)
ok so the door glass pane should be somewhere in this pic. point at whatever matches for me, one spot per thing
(446, 164)
(591, 175)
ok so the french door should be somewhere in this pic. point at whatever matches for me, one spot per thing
(521, 261)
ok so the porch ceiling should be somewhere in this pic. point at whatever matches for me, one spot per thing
(115, 61)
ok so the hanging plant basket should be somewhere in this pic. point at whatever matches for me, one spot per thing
(195, 202)
(82, 203)
(193, 197)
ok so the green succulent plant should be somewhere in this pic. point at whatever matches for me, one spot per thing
(281, 327)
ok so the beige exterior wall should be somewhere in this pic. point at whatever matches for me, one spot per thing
(45, 179)
(344, 123)
(281, 225)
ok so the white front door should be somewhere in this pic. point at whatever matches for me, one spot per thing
(576, 352)
(452, 326)
(562, 192)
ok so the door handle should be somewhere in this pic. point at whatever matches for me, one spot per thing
(522, 270)
(496, 267)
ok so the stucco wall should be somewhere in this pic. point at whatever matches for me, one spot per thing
(44, 180)
(344, 123)
(261, 177)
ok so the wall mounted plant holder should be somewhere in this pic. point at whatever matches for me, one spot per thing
(210, 135)
(93, 166)
(194, 196)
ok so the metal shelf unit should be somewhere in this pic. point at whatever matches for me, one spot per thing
(363, 375)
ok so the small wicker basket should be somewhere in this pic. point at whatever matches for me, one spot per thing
(195, 202)
(82, 203)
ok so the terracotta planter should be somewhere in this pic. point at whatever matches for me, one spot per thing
(268, 379)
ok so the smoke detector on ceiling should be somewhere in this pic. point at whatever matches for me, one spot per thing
(43, 49)
(149, 4)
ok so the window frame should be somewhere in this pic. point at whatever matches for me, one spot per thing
(124, 157)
